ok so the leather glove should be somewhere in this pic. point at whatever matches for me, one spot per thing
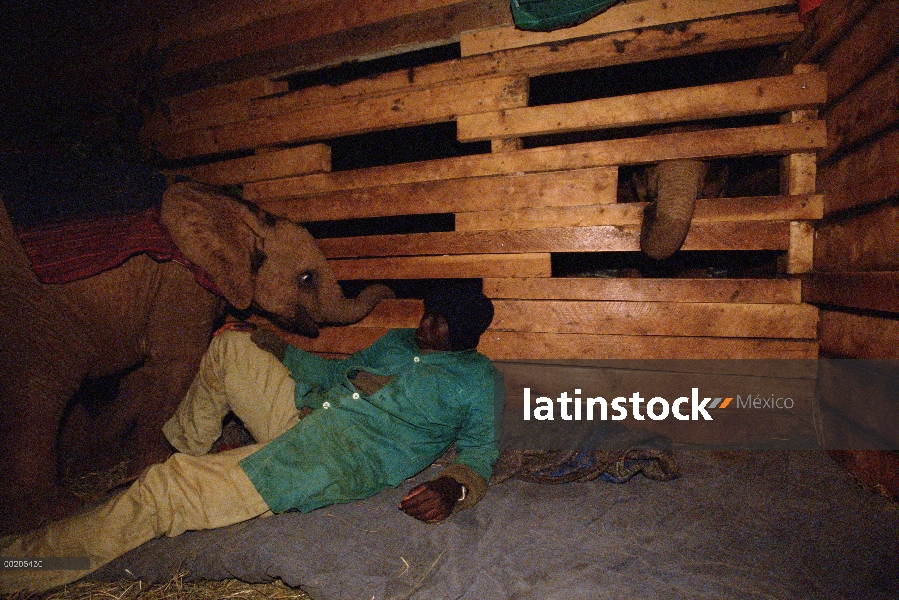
(432, 501)
(268, 340)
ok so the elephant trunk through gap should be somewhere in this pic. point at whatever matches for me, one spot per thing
(666, 220)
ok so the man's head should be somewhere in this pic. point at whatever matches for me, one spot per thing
(456, 314)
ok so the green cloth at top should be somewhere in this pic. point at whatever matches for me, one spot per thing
(353, 445)
(546, 15)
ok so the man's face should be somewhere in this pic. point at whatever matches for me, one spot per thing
(432, 333)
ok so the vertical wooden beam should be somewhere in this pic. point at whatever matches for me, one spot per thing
(798, 175)
(801, 255)
(516, 143)
(506, 144)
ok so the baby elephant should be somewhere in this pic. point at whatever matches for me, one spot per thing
(147, 319)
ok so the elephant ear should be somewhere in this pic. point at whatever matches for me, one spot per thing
(213, 230)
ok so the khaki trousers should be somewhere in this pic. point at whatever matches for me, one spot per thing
(192, 490)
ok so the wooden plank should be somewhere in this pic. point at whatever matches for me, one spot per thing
(830, 23)
(392, 36)
(802, 373)
(542, 217)
(217, 104)
(753, 30)
(555, 188)
(744, 319)
(219, 16)
(621, 17)
(858, 52)
(851, 335)
(623, 318)
(412, 107)
(799, 171)
(864, 291)
(718, 143)
(702, 236)
(761, 208)
(400, 34)
(227, 94)
(259, 35)
(162, 126)
(315, 158)
(754, 291)
(657, 318)
(436, 267)
(698, 37)
(864, 177)
(865, 242)
(867, 110)
(508, 345)
(754, 96)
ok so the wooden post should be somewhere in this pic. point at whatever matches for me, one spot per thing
(516, 143)
(506, 145)
(798, 176)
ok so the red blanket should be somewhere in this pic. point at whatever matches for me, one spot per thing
(69, 251)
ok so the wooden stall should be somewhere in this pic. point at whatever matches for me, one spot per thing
(527, 190)
(854, 278)
(517, 206)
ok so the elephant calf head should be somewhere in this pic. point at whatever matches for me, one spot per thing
(259, 261)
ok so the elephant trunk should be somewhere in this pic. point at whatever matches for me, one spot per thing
(339, 310)
(666, 220)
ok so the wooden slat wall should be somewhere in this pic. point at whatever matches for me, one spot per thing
(856, 269)
(857, 244)
(515, 207)
(621, 17)
(314, 35)
(220, 31)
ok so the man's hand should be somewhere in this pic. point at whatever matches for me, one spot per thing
(432, 501)
(269, 341)
(235, 326)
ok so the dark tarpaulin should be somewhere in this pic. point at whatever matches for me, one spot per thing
(546, 15)
(763, 524)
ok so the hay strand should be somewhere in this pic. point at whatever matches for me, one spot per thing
(174, 589)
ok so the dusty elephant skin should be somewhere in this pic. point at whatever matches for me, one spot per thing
(666, 220)
(671, 188)
(148, 319)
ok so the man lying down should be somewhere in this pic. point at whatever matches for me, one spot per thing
(326, 432)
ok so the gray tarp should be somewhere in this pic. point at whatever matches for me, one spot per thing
(759, 524)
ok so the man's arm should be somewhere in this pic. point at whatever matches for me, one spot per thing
(464, 483)
(310, 371)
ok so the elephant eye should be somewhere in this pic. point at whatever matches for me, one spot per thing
(306, 279)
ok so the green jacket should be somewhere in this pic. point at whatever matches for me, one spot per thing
(354, 445)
